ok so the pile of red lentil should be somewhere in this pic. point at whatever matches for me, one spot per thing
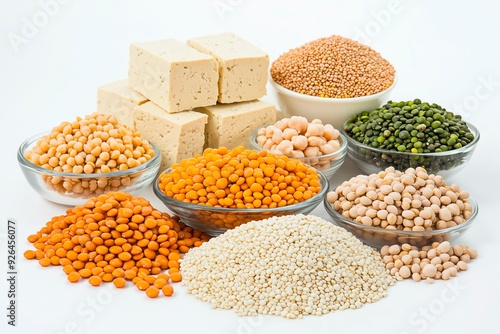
(116, 238)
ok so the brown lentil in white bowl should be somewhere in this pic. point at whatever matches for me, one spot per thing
(331, 78)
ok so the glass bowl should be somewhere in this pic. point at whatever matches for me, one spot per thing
(75, 189)
(215, 221)
(377, 236)
(332, 111)
(372, 160)
(327, 164)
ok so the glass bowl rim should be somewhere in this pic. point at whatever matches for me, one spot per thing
(196, 207)
(464, 149)
(25, 163)
(341, 150)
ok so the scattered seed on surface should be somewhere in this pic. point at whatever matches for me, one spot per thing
(427, 263)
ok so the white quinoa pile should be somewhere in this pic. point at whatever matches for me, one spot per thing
(335, 67)
(288, 266)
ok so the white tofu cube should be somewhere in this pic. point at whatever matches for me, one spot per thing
(231, 125)
(117, 98)
(173, 75)
(243, 67)
(178, 136)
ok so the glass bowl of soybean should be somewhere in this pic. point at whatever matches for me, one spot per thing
(410, 134)
(377, 237)
(77, 188)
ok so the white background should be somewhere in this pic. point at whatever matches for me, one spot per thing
(444, 51)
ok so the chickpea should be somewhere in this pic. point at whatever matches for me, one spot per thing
(289, 133)
(300, 142)
(298, 123)
(440, 260)
(296, 137)
(285, 147)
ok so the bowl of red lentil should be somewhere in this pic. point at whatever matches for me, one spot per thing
(223, 189)
(331, 79)
(69, 172)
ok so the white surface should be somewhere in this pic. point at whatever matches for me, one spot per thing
(444, 52)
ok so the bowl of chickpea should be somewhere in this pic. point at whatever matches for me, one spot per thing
(315, 144)
(62, 169)
(223, 189)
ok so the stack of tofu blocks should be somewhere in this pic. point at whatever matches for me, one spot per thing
(185, 97)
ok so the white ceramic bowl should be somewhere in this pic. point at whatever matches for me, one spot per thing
(334, 111)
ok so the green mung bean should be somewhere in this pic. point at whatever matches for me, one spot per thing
(411, 127)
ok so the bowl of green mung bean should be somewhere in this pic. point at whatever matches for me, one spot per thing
(410, 134)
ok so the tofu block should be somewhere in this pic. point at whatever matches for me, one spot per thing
(117, 98)
(179, 136)
(173, 75)
(279, 115)
(231, 125)
(243, 67)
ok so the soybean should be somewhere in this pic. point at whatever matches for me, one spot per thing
(402, 200)
(429, 262)
(94, 144)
